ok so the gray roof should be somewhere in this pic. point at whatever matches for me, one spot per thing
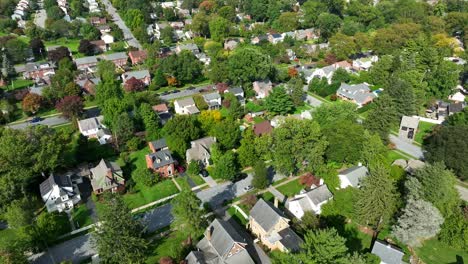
(47, 185)
(408, 121)
(86, 60)
(195, 257)
(159, 144)
(185, 102)
(266, 215)
(32, 66)
(290, 239)
(355, 174)
(356, 92)
(95, 80)
(161, 158)
(100, 178)
(319, 194)
(387, 253)
(189, 46)
(200, 149)
(137, 74)
(211, 96)
(91, 123)
(236, 90)
(329, 69)
(114, 56)
(220, 238)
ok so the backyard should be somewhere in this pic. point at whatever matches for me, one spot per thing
(18, 84)
(435, 252)
(424, 128)
(141, 195)
(291, 188)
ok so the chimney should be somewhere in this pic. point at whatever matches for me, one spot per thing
(209, 232)
(276, 202)
(360, 164)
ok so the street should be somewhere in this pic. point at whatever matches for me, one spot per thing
(77, 249)
(407, 147)
(128, 35)
(158, 218)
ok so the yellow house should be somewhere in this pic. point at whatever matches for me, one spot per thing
(271, 227)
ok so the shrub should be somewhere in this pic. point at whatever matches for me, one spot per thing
(145, 177)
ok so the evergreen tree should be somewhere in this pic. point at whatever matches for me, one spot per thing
(323, 246)
(188, 213)
(159, 79)
(382, 117)
(119, 238)
(296, 88)
(260, 177)
(226, 167)
(278, 102)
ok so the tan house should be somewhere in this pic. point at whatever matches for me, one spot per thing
(271, 227)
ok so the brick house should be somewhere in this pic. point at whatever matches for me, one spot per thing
(89, 85)
(35, 70)
(160, 160)
(107, 176)
(142, 75)
(118, 58)
(99, 46)
(138, 56)
(95, 21)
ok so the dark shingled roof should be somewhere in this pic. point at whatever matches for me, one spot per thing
(387, 253)
(290, 239)
(47, 185)
(161, 158)
(159, 144)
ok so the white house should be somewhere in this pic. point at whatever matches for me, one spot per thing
(325, 72)
(309, 201)
(387, 253)
(94, 128)
(59, 193)
(185, 106)
(238, 92)
(352, 176)
(108, 38)
(213, 100)
(364, 64)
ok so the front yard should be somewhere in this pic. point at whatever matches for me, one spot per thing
(424, 128)
(291, 188)
(142, 195)
(81, 216)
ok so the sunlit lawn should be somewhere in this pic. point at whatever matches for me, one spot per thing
(291, 188)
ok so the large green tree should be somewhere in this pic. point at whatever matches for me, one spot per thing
(188, 213)
(323, 246)
(179, 131)
(226, 166)
(345, 141)
(227, 133)
(248, 64)
(279, 102)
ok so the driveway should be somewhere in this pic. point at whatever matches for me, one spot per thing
(314, 102)
(224, 192)
(210, 181)
(407, 147)
(77, 250)
(128, 35)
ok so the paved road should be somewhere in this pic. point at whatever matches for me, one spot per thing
(76, 249)
(158, 218)
(54, 120)
(131, 40)
(406, 147)
(183, 93)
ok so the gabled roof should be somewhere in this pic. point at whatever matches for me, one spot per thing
(211, 96)
(90, 123)
(355, 174)
(236, 90)
(408, 121)
(319, 194)
(223, 237)
(185, 102)
(159, 144)
(47, 185)
(263, 128)
(86, 60)
(388, 254)
(357, 92)
(290, 240)
(115, 56)
(136, 74)
(101, 179)
(160, 108)
(161, 158)
(266, 215)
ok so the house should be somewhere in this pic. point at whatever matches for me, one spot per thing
(325, 72)
(89, 84)
(185, 106)
(203, 58)
(310, 201)
(238, 92)
(305, 34)
(213, 100)
(388, 254)
(457, 97)
(95, 21)
(99, 46)
(107, 176)
(408, 128)
(160, 108)
(177, 24)
(256, 40)
(142, 75)
(275, 38)
(94, 128)
(271, 227)
(137, 56)
(343, 65)
(221, 244)
(160, 160)
(454, 108)
(263, 128)
(59, 193)
(108, 38)
(86, 63)
(200, 150)
(352, 176)
(231, 44)
(364, 64)
(262, 88)
(313, 48)
(119, 58)
(35, 70)
(104, 29)
(190, 47)
(359, 94)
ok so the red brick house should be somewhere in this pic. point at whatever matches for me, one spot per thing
(138, 56)
(160, 160)
(142, 75)
(89, 85)
(38, 70)
(119, 58)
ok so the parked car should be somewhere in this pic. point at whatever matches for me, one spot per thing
(204, 173)
(180, 168)
(35, 119)
(165, 93)
(191, 88)
(248, 188)
(175, 91)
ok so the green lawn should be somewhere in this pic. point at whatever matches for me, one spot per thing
(197, 179)
(291, 188)
(253, 107)
(435, 252)
(424, 128)
(18, 84)
(82, 216)
(183, 183)
(72, 44)
(268, 196)
(7, 236)
(137, 158)
(394, 155)
(237, 216)
(168, 246)
(300, 109)
(142, 195)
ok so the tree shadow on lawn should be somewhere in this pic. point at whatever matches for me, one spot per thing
(351, 234)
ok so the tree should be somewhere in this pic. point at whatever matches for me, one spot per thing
(287, 21)
(123, 129)
(31, 103)
(323, 247)
(145, 177)
(86, 47)
(49, 226)
(71, 107)
(179, 131)
(443, 79)
(328, 24)
(454, 231)
(447, 144)
(308, 221)
(193, 168)
(377, 198)
(345, 141)
(382, 117)
(167, 35)
(227, 133)
(134, 18)
(170, 14)
(296, 88)
(260, 178)
(373, 152)
(37, 47)
(279, 102)
(200, 102)
(134, 85)
(19, 213)
(247, 152)
(151, 121)
(17, 50)
(188, 213)
(297, 145)
(236, 110)
(219, 28)
(420, 220)
(248, 64)
(343, 46)
(200, 24)
(445, 197)
(120, 235)
(208, 120)
(337, 112)
(341, 76)
(159, 79)
(226, 166)
(185, 67)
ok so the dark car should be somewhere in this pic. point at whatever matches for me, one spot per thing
(204, 173)
(165, 93)
(175, 91)
(191, 88)
(35, 120)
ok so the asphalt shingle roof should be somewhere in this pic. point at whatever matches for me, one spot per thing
(387, 253)
(266, 215)
(355, 174)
